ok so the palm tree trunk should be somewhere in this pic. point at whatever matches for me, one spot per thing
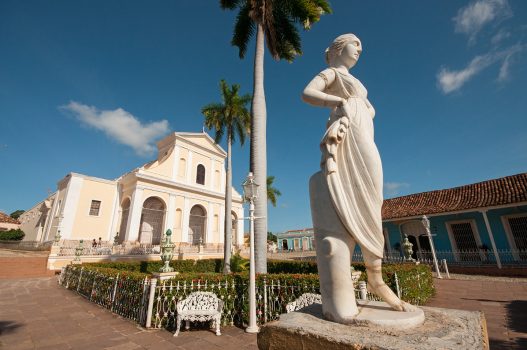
(259, 153)
(227, 242)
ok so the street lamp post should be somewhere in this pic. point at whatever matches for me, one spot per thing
(426, 224)
(250, 193)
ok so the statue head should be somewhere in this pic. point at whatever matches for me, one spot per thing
(345, 49)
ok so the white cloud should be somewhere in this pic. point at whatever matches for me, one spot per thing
(451, 80)
(394, 188)
(505, 69)
(506, 64)
(121, 126)
(500, 36)
(472, 18)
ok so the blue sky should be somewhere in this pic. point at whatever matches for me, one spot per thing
(90, 86)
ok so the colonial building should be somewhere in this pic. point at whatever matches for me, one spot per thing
(296, 240)
(488, 219)
(183, 189)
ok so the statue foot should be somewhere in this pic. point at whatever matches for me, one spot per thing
(384, 292)
(341, 318)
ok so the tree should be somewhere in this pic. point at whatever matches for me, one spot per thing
(230, 117)
(272, 192)
(276, 20)
(271, 237)
(16, 214)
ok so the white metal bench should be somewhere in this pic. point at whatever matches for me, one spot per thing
(302, 301)
(199, 306)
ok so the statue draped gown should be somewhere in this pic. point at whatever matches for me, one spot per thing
(352, 164)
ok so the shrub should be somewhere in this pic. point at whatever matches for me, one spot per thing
(12, 235)
(415, 281)
(239, 264)
(188, 265)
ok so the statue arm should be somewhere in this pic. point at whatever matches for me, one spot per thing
(314, 92)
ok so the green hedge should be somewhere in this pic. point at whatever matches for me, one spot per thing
(415, 281)
(130, 300)
(129, 284)
(12, 235)
(189, 265)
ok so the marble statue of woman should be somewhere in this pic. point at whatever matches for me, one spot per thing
(346, 195)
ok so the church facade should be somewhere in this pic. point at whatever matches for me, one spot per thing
(182, 190)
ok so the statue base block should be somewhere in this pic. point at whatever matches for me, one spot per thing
(442, 329)
(161, 276)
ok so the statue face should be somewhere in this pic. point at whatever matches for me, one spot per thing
(351, 52)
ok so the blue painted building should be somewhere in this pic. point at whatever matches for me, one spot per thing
(296, 240)
(485, 221)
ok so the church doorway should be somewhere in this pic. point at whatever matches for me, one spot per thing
(152, 218)
(197, 220)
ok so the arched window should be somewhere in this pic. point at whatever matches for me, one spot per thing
(200, 174)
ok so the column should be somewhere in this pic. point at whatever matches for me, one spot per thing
(491, 236)
(210, 222)
(175, 167)
(171, 213)
(51, 215)
(134, 216)
(71, 201)
(185, 221)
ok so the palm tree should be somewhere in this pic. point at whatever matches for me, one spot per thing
(272, 192)
(276, 20)
(232, 117)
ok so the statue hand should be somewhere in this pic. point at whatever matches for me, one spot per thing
(345, 109)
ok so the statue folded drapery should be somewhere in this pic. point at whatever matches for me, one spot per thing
(346, 195)
(353, 166)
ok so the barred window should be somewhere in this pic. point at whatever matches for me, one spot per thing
(94, 208)
(464, 236)
(200, 175)
(518, 227)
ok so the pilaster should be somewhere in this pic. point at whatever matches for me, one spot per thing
(171, 213)
(186, 217)
(210, 218)
(134, 216)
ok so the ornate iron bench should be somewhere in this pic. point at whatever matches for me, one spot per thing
(302, 301)
(199, 306)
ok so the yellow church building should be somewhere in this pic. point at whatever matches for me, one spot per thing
(182, 190)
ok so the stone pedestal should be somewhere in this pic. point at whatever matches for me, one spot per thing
(161, 276)
(442, 329)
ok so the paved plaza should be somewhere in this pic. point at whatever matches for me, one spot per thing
(36, 313)
(503, 300)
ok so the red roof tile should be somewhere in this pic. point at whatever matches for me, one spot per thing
(502, 191)
(7, 219)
